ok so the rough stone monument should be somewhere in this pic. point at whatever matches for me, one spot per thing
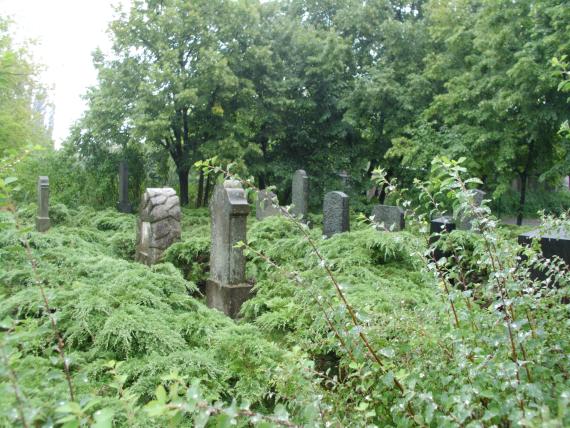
(226, 290)
(158, 224)
(335, 214)
(465, 222)
(391, 217)
(42, 220)
(300, 194)
(267, 205)
(124, 205)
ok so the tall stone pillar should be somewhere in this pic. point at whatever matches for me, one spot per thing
(42, 220)
(226, 290)
(335, 214)
(300, 194)
(124, 205)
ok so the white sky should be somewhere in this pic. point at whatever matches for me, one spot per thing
(67, 32)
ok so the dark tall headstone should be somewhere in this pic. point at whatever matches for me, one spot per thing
(42, 220)
(465, 222)
(390, 217)
(552, 243)
(440, 226)
(335, 214)
(226, 290)
(300, 194)
(124, 205)
(158, 224)
(267, 205)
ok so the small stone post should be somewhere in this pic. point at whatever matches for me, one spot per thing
(124, 205)
(42, 220)
(390, 216)
(300, 194)
(158, 224)
(335, 214)
(226, 290)
(465, 222)
(267, 205)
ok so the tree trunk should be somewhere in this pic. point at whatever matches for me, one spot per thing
(183, 182)
(200, 191)
(524, 179)
(262, 182)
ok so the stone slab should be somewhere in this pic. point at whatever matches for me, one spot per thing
(335, 214)
(391, 217)
(227, 298)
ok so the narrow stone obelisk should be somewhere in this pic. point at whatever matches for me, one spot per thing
(42, 220)
(226, 290)
(300, 194)
(124, 205)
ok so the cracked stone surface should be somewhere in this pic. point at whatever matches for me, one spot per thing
(158, 224)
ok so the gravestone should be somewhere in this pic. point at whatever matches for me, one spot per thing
(440, 225)
(42, 220)
(555, 243)
(335, 214)
(465, 222)
(267, 205)
(124, 205)
(300, 194)
(390, 216)
(226, 290)
(158, 224)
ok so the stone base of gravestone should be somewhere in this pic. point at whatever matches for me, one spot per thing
(267, 205)
(552, 244)
(439, 226)
(335, 214)
(124, 207)
(43, 224)
(391, 217)
(227, 298)
(158, 224)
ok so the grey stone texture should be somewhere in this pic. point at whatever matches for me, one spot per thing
(124, 205)
(226, 290)
(43, 222)
(267, 205)
(391, 217)
(300, 194)
(465, 222)
(158, 224)
(335, 214)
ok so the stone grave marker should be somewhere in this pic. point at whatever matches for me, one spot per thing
(440, 225)
(335, 214)
(43, 222)
(267, 205)
(554, 243)
(158, 224)
(300, 194)
(226, 289)
(391, 217)
(466, 222)
(124, 205)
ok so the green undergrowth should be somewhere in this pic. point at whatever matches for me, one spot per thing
(109, 308)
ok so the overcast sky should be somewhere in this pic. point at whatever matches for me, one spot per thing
(67, 32)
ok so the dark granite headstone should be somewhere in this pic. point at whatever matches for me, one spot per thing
(335, 214)
(552, 244)
(439, 226)
(124, 205)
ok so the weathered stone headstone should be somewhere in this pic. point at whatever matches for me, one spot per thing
(267, 205)
(124, 205)
(158, 224)
(439, 226)
(390, 216)
(465, 222)
(226, 290)
(300, 194)
(42, 220)
(335, 214)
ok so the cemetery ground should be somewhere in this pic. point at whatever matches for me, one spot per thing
(143, 349)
